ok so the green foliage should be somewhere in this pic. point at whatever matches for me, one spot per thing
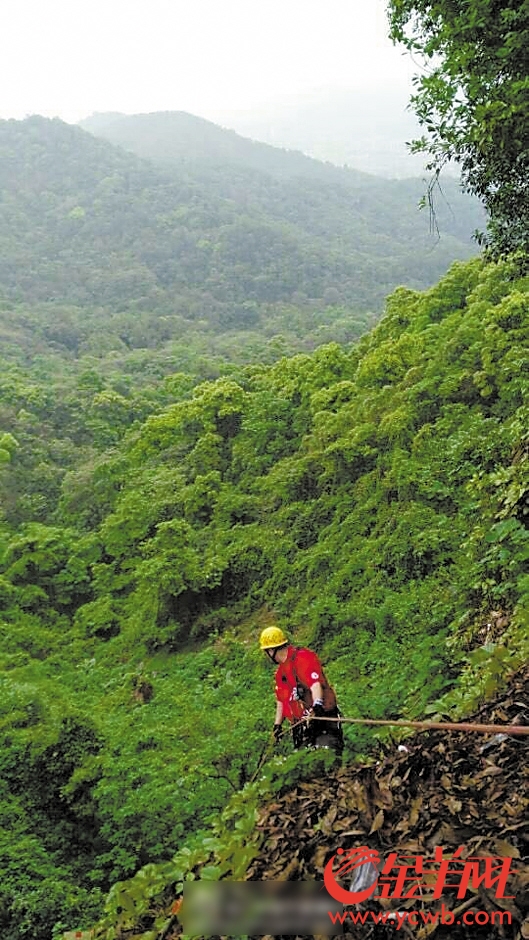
(50, 567)
(472, 101)
(226, 850)
(48, 815)
(184, 272)
(373, 499)
(163, 251)
(8, 445)
(163, 498)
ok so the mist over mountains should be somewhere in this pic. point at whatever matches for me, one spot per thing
(366, 130)
(348, 131)
(204, 429)
(210, 220)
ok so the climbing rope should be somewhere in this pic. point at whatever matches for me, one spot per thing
(427, 725)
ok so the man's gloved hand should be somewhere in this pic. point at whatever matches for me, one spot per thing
(276, 732)
(317, 710)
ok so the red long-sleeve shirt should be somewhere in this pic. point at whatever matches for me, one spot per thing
(294, 679)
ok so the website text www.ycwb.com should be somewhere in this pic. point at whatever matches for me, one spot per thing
(445, 917)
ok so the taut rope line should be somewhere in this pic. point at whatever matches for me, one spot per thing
(426, 725)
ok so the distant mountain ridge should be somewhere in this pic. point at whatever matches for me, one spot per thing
(362, 130)
(179, 139)
(170, 137)
(84, 222)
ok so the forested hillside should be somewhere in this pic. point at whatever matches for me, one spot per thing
(349, 208)
(373, 499)
(174, 137)
(197, 441)
(84, 223)
(116, 274)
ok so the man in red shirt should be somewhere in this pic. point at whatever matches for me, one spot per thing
(302, 692)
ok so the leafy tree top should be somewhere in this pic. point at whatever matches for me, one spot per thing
(472, 100)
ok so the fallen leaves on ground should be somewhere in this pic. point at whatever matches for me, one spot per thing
(447, 789)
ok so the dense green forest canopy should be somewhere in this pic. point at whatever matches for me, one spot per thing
(373, 498)
(234, 166)
(172, 479)
(116, 274)
(85, 223)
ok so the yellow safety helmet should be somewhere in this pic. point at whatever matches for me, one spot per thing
(271, 638)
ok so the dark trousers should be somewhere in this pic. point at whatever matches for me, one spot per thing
(320, 733)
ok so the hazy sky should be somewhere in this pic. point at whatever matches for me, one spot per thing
(72, 57)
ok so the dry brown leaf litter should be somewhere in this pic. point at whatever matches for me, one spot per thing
(448, 789)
